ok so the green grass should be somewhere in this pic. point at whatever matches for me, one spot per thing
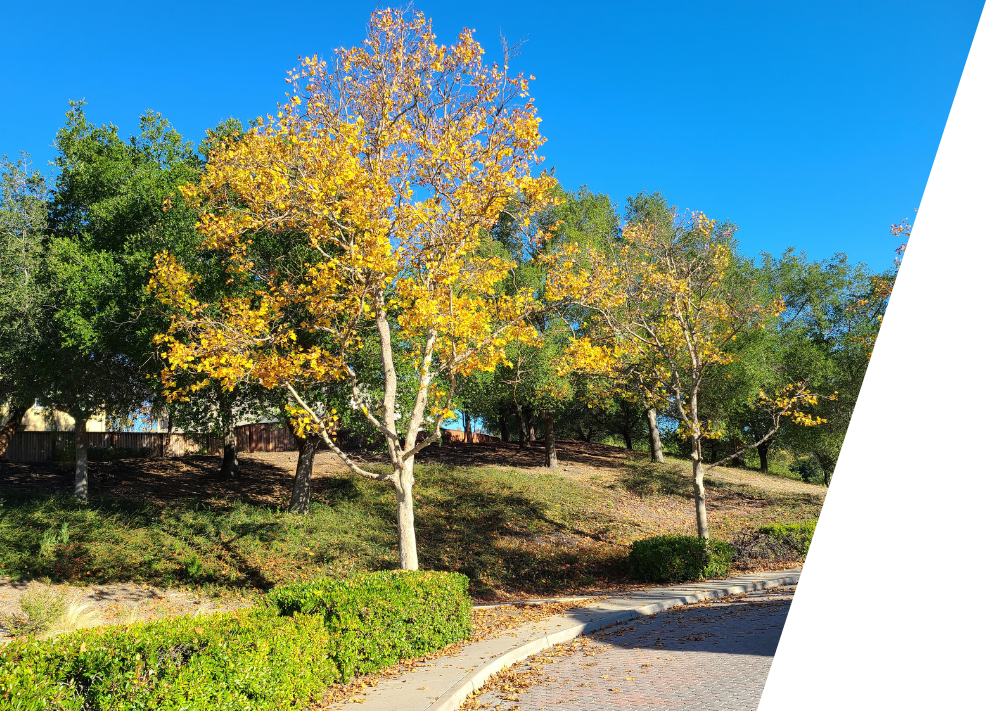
(508, 530)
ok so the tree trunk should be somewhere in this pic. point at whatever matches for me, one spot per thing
(301, 494)
(231, 463)
(656, 450)
(550, 453)
(504, 432)
(81, 458)
(467, 427)
(405, 517)
(627, 438)
(529, 423)
(762, 449)
(698, 475)
(522, 428)
(10, 428)
(171, 443)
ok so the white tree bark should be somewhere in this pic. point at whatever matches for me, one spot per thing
(656, 450)
(81, 458)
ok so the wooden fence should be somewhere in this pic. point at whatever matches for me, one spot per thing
(460, 436)
(42, 446)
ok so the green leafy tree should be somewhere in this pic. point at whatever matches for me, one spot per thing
(106, 220)
(23, 217)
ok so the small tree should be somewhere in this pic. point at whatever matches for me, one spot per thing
(387, 169)
(668, 296)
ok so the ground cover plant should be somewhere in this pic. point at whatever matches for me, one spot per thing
(490, 512)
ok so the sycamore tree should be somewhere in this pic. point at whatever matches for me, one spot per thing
(389, 167)
(668, 296)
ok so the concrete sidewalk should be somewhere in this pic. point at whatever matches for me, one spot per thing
(442, 684)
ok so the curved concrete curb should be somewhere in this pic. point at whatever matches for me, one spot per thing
(454, 697)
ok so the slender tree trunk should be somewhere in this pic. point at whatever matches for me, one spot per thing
(10, 428)
(504, 432)
(301, 494)
(171, 444)
(698, 476)
(762, 449)
(522, 428)
(405, 517)
(656, 450)
(81, 457)
(550, 453)
(529, 423)
(467, 427)
(231, 464)
(627, 438)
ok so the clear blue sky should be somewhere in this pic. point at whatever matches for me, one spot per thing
(807, 124)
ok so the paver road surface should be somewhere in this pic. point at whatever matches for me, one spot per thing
(709, 656)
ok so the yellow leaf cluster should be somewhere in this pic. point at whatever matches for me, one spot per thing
(382, 172)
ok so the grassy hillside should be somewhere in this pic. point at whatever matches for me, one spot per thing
(484, 510)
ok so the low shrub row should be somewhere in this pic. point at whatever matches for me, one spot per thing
(678, 559)
(381, 618)
(278, 655)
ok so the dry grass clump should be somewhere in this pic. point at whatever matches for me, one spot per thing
(47, 612)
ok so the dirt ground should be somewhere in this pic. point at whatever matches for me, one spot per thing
(267, 476)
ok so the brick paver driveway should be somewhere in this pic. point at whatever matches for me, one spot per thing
(708, 656)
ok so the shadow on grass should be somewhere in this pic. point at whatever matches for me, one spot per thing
(510, 532)
(194, 478)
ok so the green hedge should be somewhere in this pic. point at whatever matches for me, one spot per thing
(795, 535)
(677, 559)
(277, 655)
(383, 617)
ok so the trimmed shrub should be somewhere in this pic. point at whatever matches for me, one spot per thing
(278, 655)
(794, 535)
(678, 559)
(383, 617)
(242, 660)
